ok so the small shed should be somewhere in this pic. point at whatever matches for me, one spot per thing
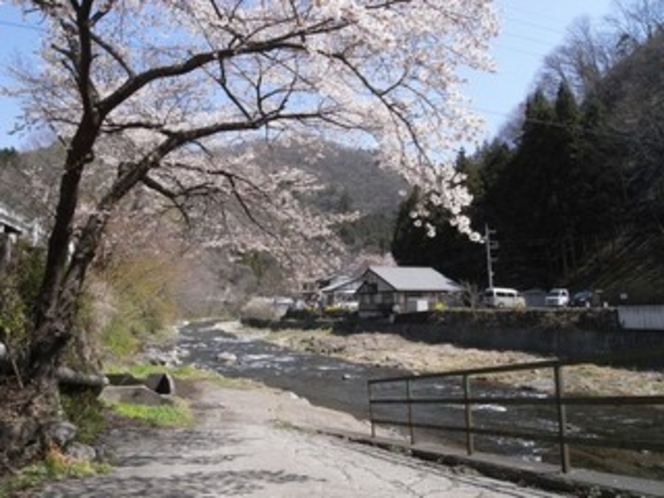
(341, 292)
(386, 289)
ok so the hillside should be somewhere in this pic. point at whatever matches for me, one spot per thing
(352, 176)
(630, 266)
(13, 183)
(612, 197)
(628, 271)
(352, 179)
(575, 196)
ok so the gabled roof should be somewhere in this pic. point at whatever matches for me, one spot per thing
(414, 278)
(343, 283)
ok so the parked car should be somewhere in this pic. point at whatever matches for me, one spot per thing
(582, 299)
(557, 298)
(500, 297)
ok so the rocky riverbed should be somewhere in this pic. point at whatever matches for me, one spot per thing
(394, 351)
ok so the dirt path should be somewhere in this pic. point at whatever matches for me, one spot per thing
(263, 442)
(259, 443)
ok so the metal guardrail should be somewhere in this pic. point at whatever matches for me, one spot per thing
(557, 399)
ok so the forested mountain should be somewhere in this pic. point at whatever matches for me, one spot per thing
(351, 177)
(28, 180)
(12, 183)
(353, 182)
(576, 197)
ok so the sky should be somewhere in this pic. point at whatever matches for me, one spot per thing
(531, 29)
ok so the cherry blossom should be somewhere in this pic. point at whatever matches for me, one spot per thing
(162, 98)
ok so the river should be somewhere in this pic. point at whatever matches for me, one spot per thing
(342, 385)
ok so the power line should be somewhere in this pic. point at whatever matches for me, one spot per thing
(519, 50)
(28, 27)
(552, 23)
(538, 41)
(540, 27)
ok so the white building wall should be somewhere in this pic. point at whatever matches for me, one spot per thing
(649, 317)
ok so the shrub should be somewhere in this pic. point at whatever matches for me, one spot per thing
(336, 312)
(132, 303)
(19, 287)
(261, 308)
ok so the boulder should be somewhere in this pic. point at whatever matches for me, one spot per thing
(18, 437)
(60, 432)
(226, 357)
(80, 451)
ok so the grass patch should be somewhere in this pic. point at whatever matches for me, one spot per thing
(120, 339)
(55, 466)
(184, 372)
(85, 411)
(177, 415)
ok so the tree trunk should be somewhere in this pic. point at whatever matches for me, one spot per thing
(55, 326)
(24, 415)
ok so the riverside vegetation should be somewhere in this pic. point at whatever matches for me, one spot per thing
(94, 419)
(126, 306)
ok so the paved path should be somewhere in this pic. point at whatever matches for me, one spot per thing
(244, 444)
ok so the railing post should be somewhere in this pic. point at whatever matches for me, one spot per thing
(562, 418)
(410, 413)
(470, 443)
(371, 418)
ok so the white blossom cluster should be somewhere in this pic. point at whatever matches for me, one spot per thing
(171, 89)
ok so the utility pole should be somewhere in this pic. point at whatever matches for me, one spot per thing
(490, 246)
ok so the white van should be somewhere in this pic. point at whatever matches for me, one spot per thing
(557, 298)
(501, 297)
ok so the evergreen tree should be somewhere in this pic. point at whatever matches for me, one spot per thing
(516, 204)
(449, 252)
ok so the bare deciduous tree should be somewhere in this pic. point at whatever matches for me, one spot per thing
(580, 62)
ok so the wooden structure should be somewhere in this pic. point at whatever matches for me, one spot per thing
(389, 290)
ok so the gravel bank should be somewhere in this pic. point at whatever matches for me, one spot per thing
(394, 350)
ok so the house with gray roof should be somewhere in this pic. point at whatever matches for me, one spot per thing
(404, 289)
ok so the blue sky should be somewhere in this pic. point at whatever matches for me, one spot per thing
(530, 30)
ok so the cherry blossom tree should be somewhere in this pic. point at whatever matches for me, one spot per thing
(155, 99)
